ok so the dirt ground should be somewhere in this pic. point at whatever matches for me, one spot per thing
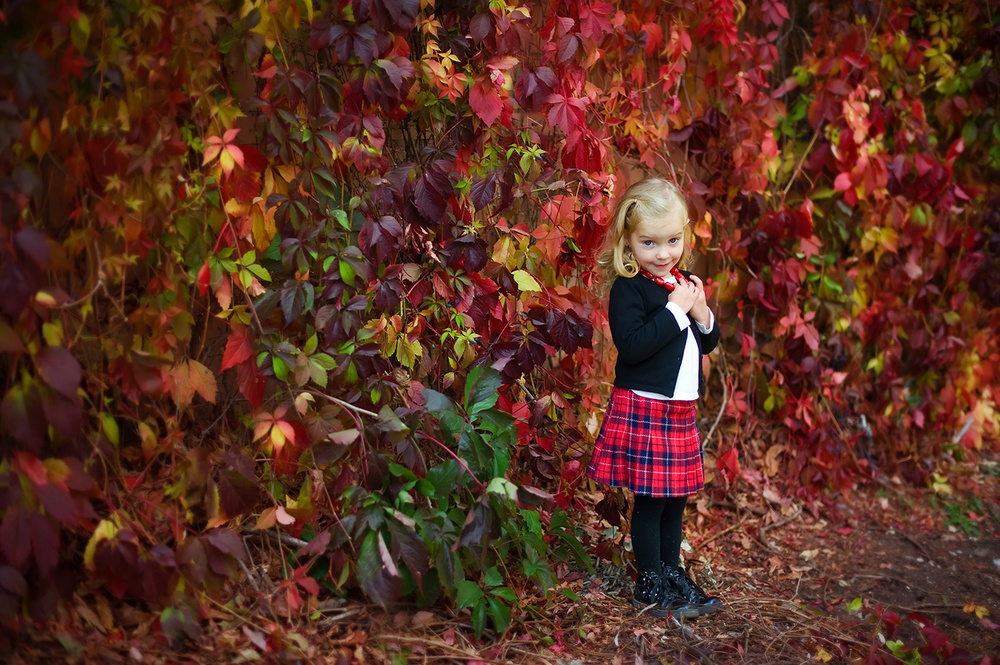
(887, 567)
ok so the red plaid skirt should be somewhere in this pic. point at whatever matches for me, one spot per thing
(650, 446)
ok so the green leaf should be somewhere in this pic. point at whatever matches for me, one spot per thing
(505, 593)
(493, 577)
(503, 487)
(376, 571)
(482, 389)
(391, 424)
(437, 403)
(347, 273)
(311, 344)
(324, 360)
(443, 478)
(468, 594)
(500, 613)
(280, 368)
(479, 619)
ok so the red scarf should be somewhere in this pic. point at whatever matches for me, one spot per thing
(662, 281)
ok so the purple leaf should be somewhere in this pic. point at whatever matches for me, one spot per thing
(44, 542)
(59, 369)
(431, 195)
(14, 539)
(33, 244)
(483, 190)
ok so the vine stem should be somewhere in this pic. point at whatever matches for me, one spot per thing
(342, 403)
(462, 462)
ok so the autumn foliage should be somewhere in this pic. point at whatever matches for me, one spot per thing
(326, 270)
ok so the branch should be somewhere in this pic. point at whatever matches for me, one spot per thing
(342, 403)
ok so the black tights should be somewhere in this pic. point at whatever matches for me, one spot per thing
(656, 530)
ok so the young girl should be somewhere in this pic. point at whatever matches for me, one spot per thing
(649, 441)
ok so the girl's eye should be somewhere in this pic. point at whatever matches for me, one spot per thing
(647, 243)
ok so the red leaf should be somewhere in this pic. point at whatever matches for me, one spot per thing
(59, 369)
(10, 342)
(32, 467)
(485, 101)
(253, 159)
(239, 347)
(316, 546)
(309, 585)
(567, 47)
(251, 383)
(204, 279)
(242, 185)
(480, 26)
(729, 463)
(566, 112)
(238, 493)
(596, 21)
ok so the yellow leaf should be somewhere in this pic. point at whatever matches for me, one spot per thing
(105, 531)
(183, 391)
(525, 281)
(57, 470)
(287, 171)
(277, 438)
(237, 209)
(503, 252)
(978, 610)
(41, 138)
(110, 427)
(202, 380)
(227, 161)
(263, 229)
(267, 519)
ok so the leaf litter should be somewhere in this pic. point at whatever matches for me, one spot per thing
(876, 568)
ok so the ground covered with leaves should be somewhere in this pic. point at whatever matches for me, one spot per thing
(884, 574)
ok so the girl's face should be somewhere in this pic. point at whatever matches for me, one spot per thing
(658, 243)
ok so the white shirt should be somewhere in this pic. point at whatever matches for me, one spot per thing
(686, 389)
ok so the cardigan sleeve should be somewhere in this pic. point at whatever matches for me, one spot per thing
(637, 334)
(708, 341)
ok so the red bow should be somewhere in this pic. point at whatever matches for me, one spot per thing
(669, 286)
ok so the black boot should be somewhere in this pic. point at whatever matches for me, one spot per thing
(689, 591)
(653, 591)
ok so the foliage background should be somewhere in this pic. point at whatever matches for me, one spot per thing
(325, 269)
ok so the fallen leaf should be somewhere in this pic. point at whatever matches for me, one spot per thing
(422, 617)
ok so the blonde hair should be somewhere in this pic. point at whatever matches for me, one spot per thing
(654, 197)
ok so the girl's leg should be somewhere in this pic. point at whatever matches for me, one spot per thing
(647, 534)
(671, 529)
(671, 534)
(651, 587)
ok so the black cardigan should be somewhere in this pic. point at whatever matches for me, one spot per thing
(650, 343)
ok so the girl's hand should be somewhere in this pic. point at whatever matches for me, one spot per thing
(699, 308)
(684, 295)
